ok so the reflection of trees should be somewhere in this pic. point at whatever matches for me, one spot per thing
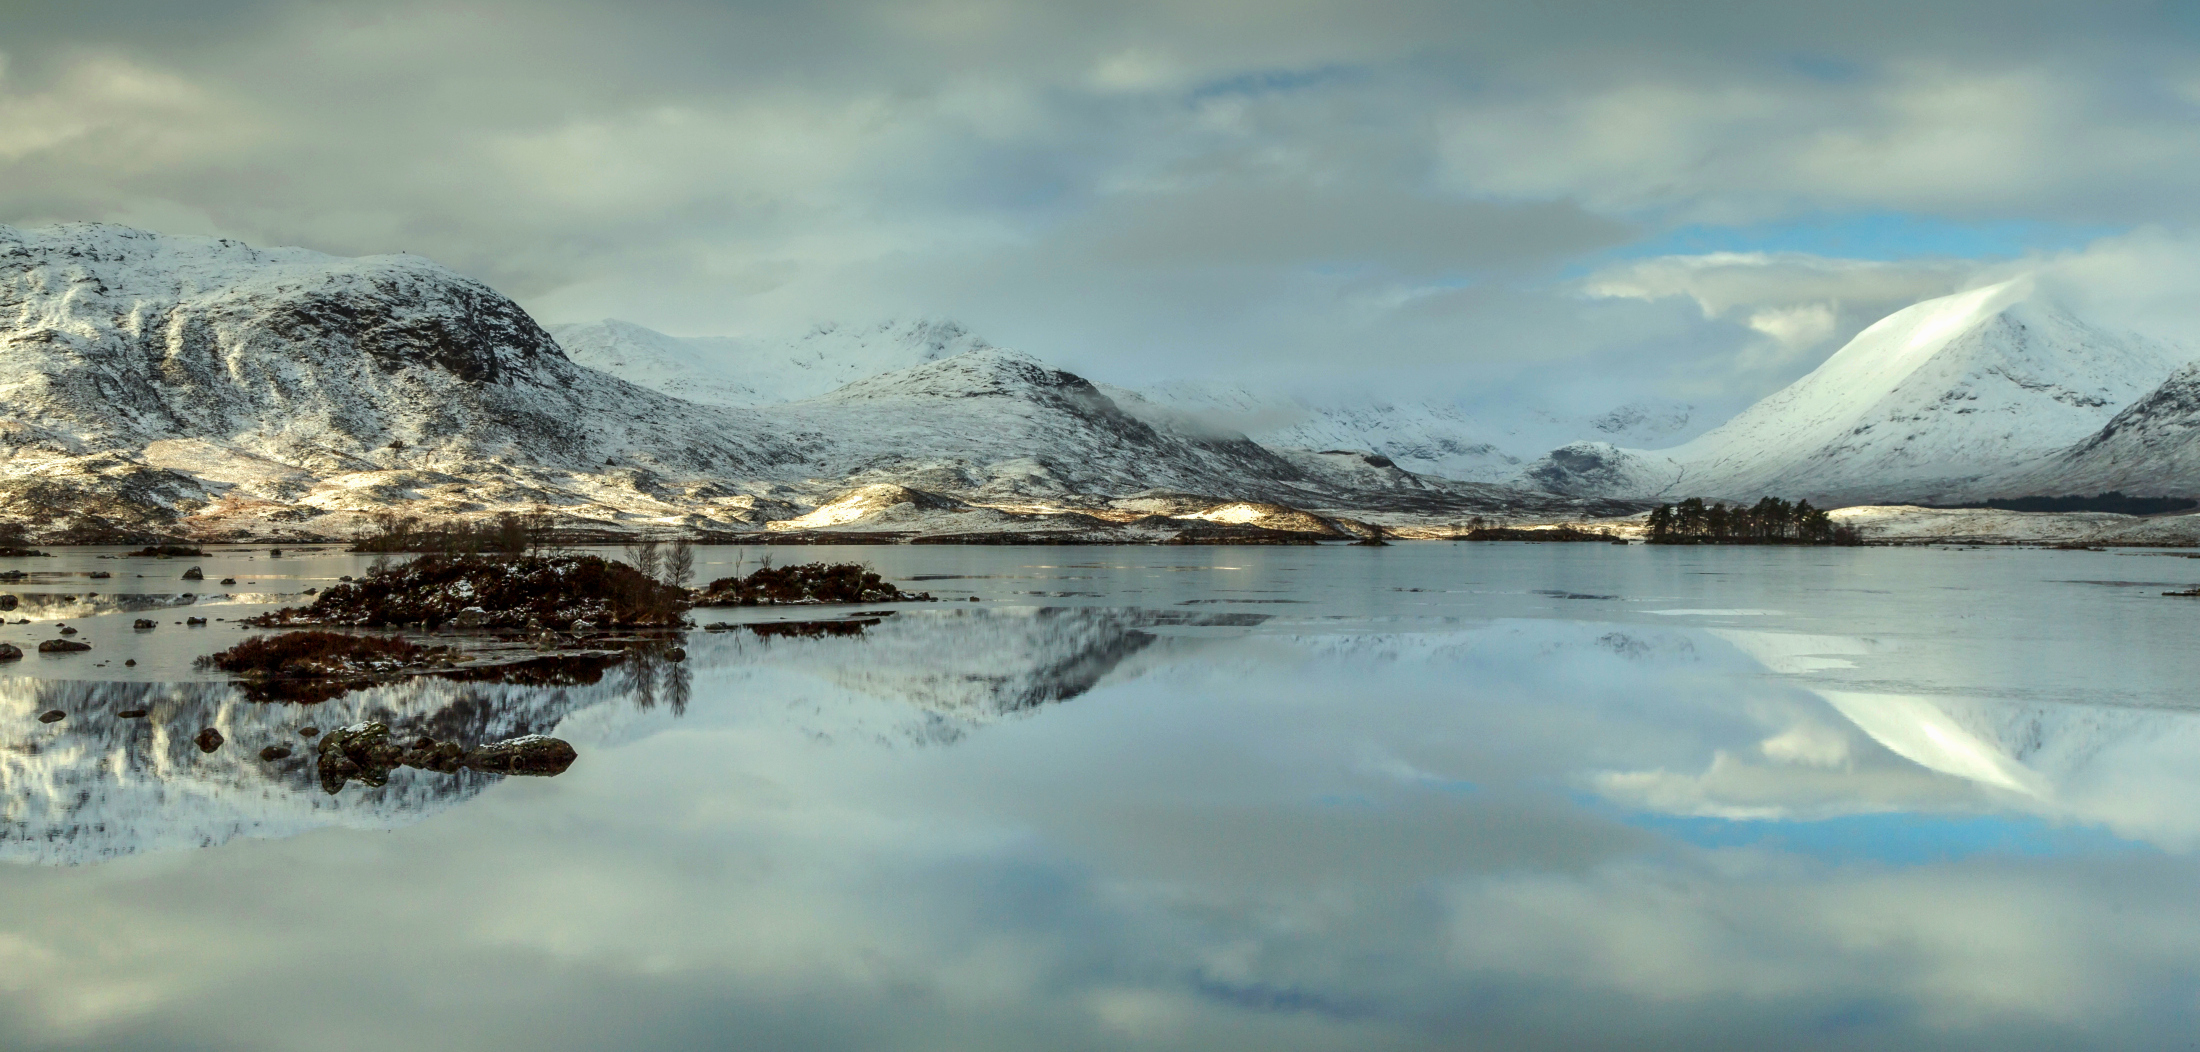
(652, 675)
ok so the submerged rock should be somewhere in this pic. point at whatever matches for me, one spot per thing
(52, 716)
(10, 652)
(132, 714)
(209, 740)
(145, 624)
(275, 752)
(532, 754)
(62, 646)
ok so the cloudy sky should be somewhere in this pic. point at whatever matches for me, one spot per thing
(1571, 203)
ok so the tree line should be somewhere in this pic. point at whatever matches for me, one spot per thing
(1770, 521)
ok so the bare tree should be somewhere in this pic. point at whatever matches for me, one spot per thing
(643, 555)
(680, 562)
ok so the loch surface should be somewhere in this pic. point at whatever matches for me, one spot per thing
(1432, 795)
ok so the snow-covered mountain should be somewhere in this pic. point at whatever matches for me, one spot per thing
(1924, 405)
(144, 377)
(2152, 448)
(733, 371)
(1430, 438)
(114, 338)
(147, 380)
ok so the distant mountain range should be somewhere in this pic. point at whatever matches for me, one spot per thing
(150, 383)
(1430, 438)
(153, 384)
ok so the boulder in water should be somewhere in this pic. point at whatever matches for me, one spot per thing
(62, 646)
(209, 740)
(532, 754)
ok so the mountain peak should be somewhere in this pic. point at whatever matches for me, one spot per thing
(1920, 405)
(992, 371)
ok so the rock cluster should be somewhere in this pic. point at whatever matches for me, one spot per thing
(485, 592)
(807, 583)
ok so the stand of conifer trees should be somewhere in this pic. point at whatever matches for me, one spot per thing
(1771, 521)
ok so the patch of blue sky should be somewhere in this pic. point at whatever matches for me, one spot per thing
(1882, 236)
(1893, 839)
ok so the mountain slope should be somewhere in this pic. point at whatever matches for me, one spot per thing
(151, 382)
(732, 371)
(996, 423)
(1432, 438)
(1922, 405)
(112, 338)
(2151, 448)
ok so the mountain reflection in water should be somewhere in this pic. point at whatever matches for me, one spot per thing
(1490, 814)
(97, 786)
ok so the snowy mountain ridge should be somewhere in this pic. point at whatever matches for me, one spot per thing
(735, 371)
(1431, 438)
(1928, 404)
(150, 382)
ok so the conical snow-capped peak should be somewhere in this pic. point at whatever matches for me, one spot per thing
(1923, 404)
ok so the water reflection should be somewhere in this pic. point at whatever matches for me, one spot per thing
(974, 665)
(1699, 823)
(97, 786)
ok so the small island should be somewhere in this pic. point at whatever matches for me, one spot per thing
(1770, 521)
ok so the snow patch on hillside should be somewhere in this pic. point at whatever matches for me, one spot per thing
(741, 371)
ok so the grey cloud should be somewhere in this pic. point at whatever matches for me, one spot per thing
(1292, 226)
(1208, 185)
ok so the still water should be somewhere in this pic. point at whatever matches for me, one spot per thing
(1423, 796)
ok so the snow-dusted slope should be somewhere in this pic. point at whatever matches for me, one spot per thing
(112, 339)
(1921, 406)
(998, 423)
(733, 371)
(2152, 448)
(1432, 438)
(147, 379)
